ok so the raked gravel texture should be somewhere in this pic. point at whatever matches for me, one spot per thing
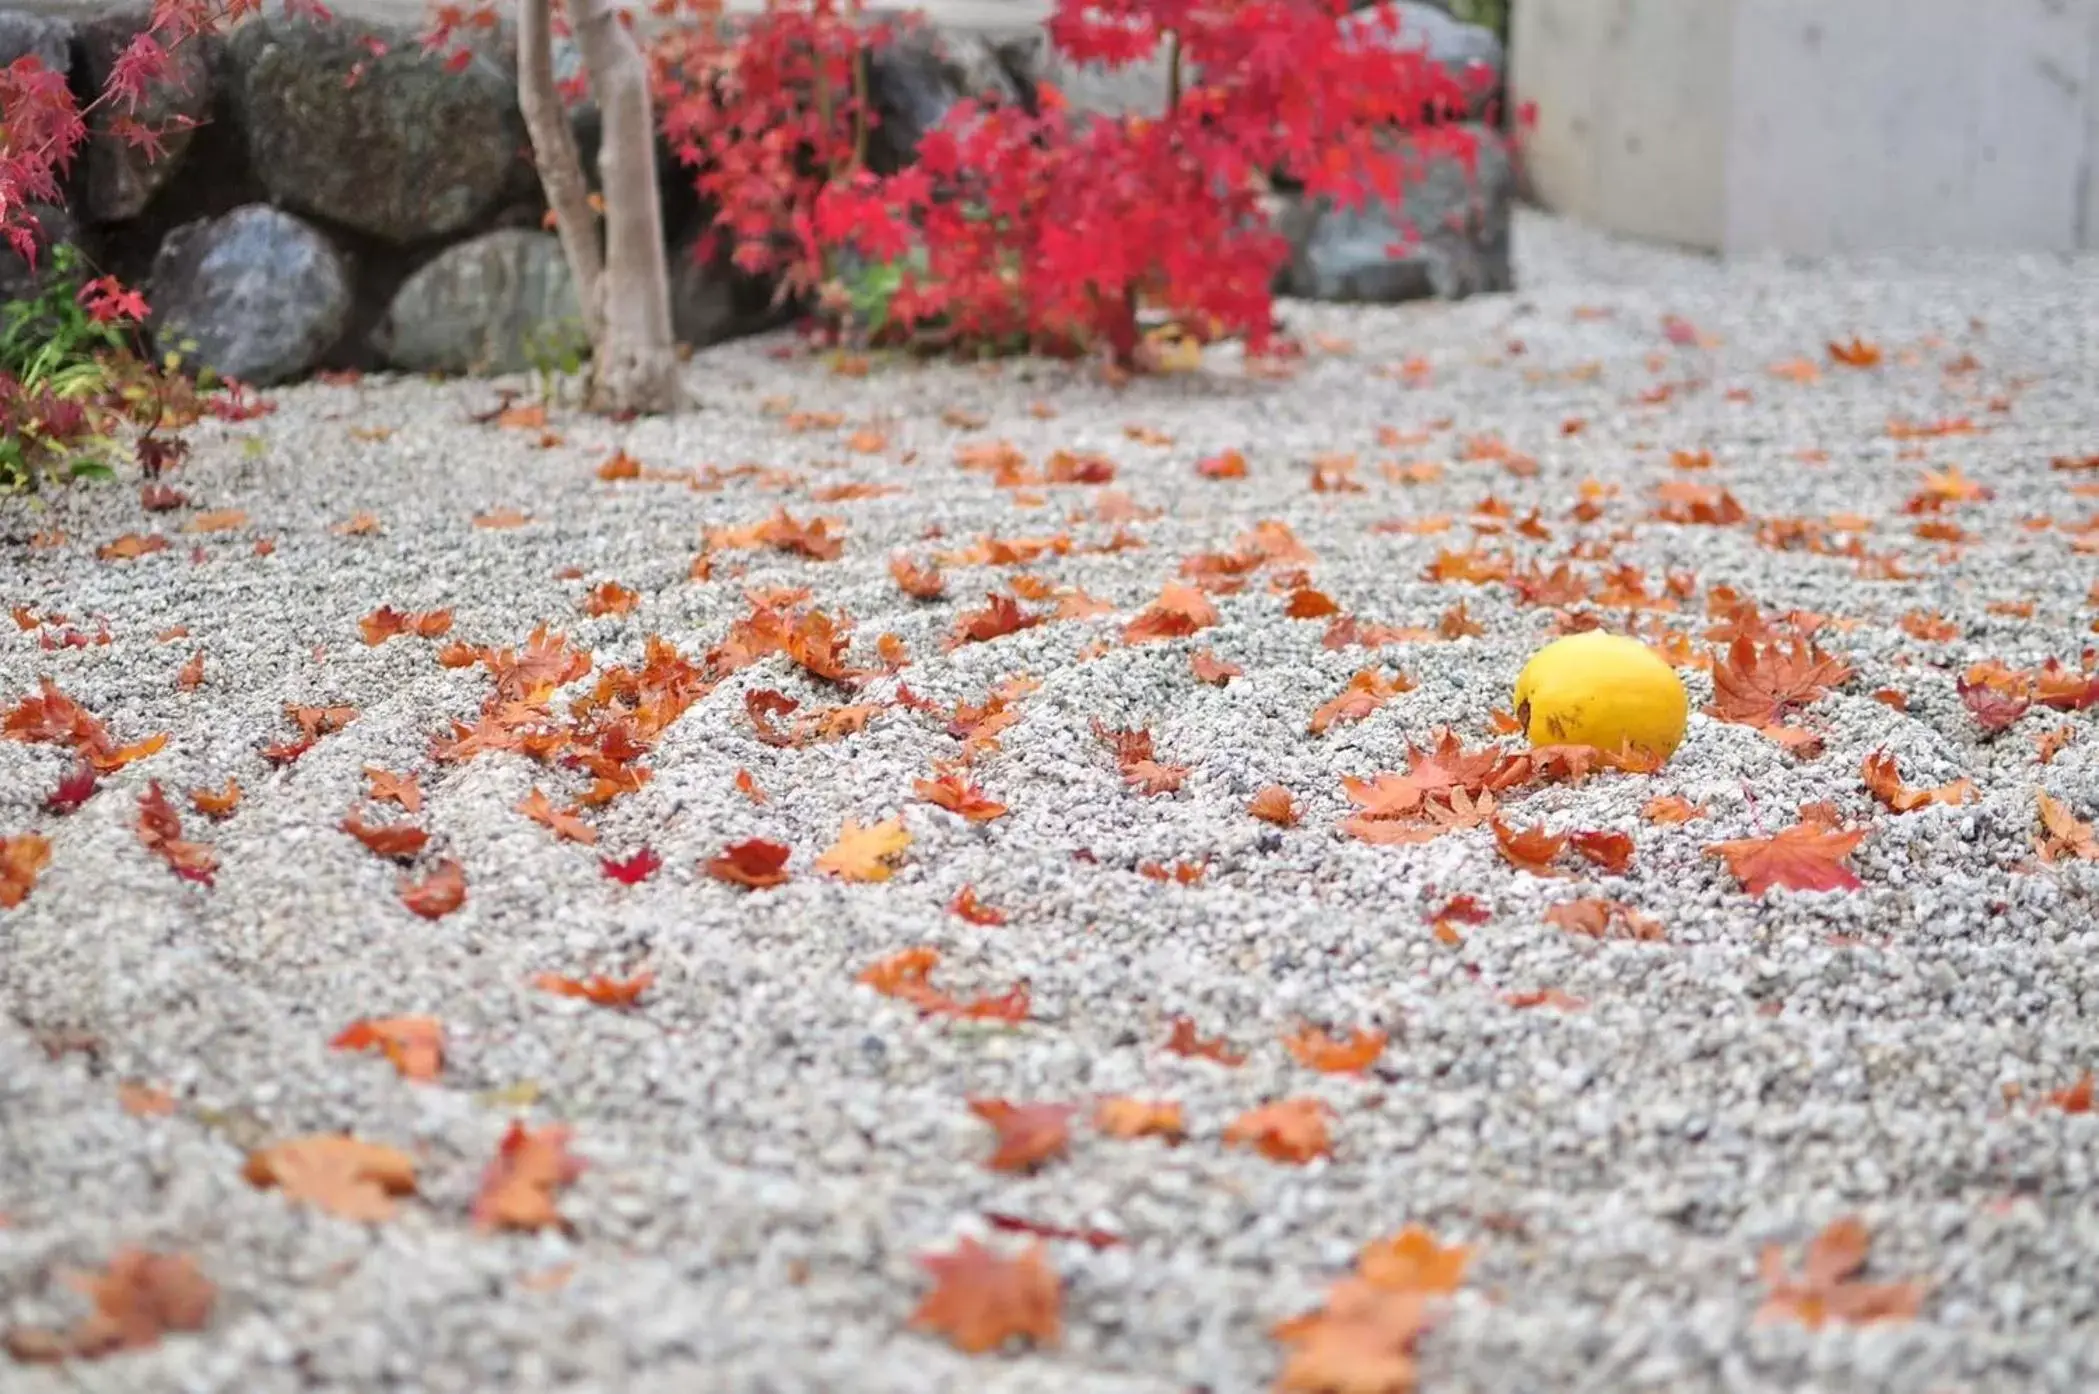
(771, 1146)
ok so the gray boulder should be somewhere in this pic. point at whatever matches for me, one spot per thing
(1451, 225)
(917, 78)
(499, 303)
(262, 294)
(390, 143)
(122, 178)
(1470, 53)
(712, 302)
(46, 36)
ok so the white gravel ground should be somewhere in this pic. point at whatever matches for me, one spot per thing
(770, 1146)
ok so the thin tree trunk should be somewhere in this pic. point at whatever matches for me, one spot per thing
(560, 164)
(635, 361)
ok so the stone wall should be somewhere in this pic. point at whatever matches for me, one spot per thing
(344, 201)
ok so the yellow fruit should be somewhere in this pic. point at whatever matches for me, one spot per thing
(1603, 690)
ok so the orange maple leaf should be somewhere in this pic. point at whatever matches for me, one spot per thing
(566, 825)
(1185, 1040)
(1760, 684)
(401, 841)
(1804, 857)
(1179, 611)
(2063, 834)
(918, 582)
(966, 905)
(1274, 805)
(400, 789)
(1531, 849)
(1126, 1117)
(954, 791)
(520, 1184)
(1349, 1054)
(160, 829)
(1596, 918)
(1884, 781)
(335, 1172)
(865, 853)
(1366, 692)
(415, 1044)
(980, 1301)
(22, 856)
(1028, 1134)
(138, 1297)
(1670, 810)
(598, 989)
(1828, 1288)
(437, 894)
(1288, 1130)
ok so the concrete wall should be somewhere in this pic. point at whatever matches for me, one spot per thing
(1816, 126)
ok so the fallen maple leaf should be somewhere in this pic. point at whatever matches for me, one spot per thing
(1180, 611)
(437, 894)
(1274, 805)
(598, 990)
(1185, 1040)
(1828, 1288)
(1028, 1134)
(954, 791)
(22, 856)
(335, 1172)
(2074, 1098)
(216, 803)
(138, 1297)
(1543, 997)
(191, 674)
(981, 1301)
(1884, 782)
(566, 825)
(1804, 857)
(74, 788)
(1669, 810)
(414, 1044)
(1209, 668)
(1127, 1117)
(1596, 918)
(637, 867)
(1362, 1341)
(1532, 849)
(753, 862)
(2063, 834)
(519, 1186)
(1288, 1130)
(1995, 707)
(160, 829)
(917, 581)
(1760, 684)
(1612, 851)
(966, 905)
(1367, 691)
(1349, 1054)
(1854, 353)
(400, 841)
(865, 853)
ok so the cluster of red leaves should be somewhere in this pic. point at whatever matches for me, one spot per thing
(1040, 226)
(48, 716)
(1447, 788)
(1997, 696)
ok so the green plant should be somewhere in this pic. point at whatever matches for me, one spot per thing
(59, 375)
(1492, 14)
(558, 352)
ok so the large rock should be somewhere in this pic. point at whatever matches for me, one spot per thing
(47, 36)
(262, 294)
(1470, 53)
(914, 80)
(712, 302)
(122, 177)
(500, 303)
(387, 142)
(1451, 224)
